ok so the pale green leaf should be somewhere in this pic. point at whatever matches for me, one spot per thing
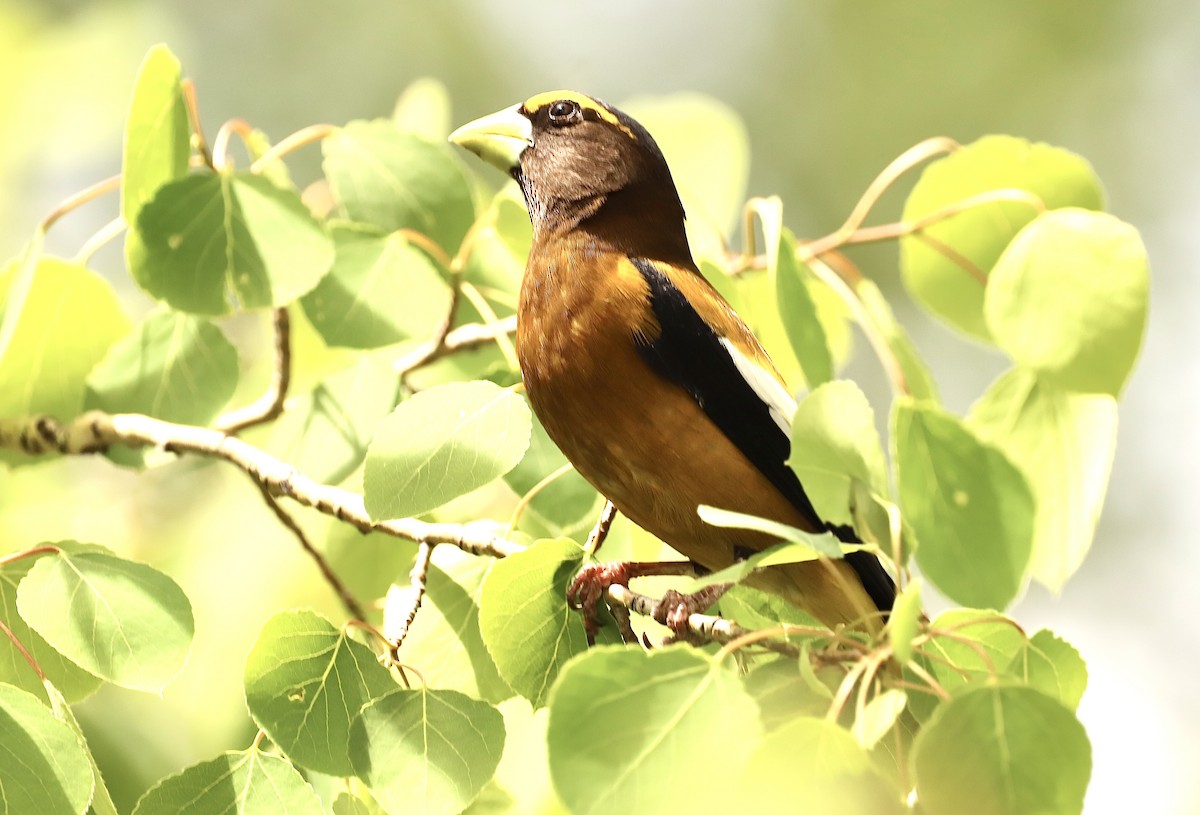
(236, 783)
(305, 682)
(1013, 751)
(622, 720)
(216, 242)
(47, 357)
(526, 623)
(45, 768)
(972, 644)
(72, 681)
(173, 367)
(917, 377)
(381, 289)
(395, 180)
(903, 621)
(878, 717)
(970, 508)
(934, 275)
(567, 506)
(442, 443)
(428, 751)
(102, 803)
(1068, 299)
(120, 620)
(784, 693)
(157, 132)
(1064, 444)
(813, 765)
(423, 109)
(1053, 666)
(444, 640)
(834, 447)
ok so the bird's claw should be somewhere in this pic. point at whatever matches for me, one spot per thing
(588, 588)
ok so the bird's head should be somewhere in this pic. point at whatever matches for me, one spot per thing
(582, 163)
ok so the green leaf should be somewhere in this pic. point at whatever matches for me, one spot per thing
(423, 109)
(568, 506)
(1068, 299)
(173, 367)
(622, 720)
(427, 751)
(834, 446)
(783, 693)
(442, 443)
(394, 180)
(45, 768)
(526, 624)
(935, 276)
(217, 242)
(878, 717)
(235, 783)
(1053, 666)
(44, 356)
(813, 765)
(74, 683)
(1064, 444)
(522, 781)
(305, 682)
(902, 622)
(381, 290)
(980, 646)
(157, 133)
(969, 507)
(754, 608)
(325, 433)
(1014, 751)
(500, 245)
(917, 377)
(690, 129)
(123, 621)
(797, 311)
(102, 803)
(444, 642)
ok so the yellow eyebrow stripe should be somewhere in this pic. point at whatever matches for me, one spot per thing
(539, 101)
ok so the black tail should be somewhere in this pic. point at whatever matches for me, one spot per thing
(874, 577)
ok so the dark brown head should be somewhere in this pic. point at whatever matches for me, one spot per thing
(584, 165)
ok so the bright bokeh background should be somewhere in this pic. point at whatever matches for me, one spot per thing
(830, 92)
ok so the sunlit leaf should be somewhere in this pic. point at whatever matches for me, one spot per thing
(120, 620)
(427, 751)
(395, 180)
(1053, 666)
(526, 623)
(241, 783)
(902, 622)
(173, 367)
(216, 242)
(45, 768)
(931, 260)
(423, 109)
(622, 720)
(157, 133)
(305, 682)
(380, 290)
(568, 506)
(102, 803)
(1013, 751)
(970, 508)
(1068, 299)
(441, 443)
(972, 644)
(1064, 444)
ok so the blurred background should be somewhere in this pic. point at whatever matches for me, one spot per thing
(830, 92)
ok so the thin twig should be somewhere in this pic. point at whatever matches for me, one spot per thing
(33, 663)
(463, 338)
(80, 198)
(24, 553)
(188, 88)
(600, 531)
(288, 144)
(220, 148)
(418, 579)
(339, 588)
(110, 231)
(268, 406)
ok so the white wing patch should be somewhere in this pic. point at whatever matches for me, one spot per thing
(764, 384)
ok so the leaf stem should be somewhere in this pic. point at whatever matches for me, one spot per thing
(289, 144)
(80, 198)
(33, 663)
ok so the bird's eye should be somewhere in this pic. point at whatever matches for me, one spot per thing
(564, 111)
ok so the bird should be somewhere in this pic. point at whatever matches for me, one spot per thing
(643, 375)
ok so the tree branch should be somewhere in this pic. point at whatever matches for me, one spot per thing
(96, 431)
(268, 406)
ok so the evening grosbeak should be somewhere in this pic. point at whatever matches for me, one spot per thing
(641, 373)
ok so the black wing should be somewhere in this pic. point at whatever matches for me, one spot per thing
(688, 353)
